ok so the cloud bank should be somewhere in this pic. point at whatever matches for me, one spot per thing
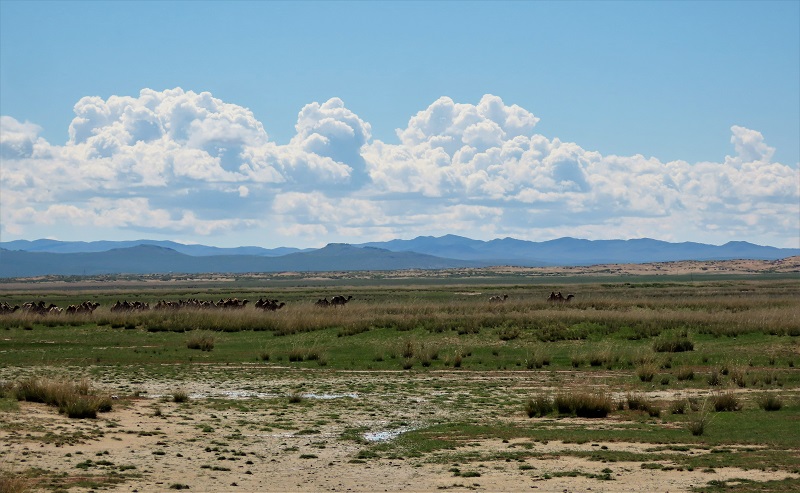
(181, 164)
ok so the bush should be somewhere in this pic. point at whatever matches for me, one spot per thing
(296, 355)
(180, 396)
(678, 407)
(584, 405)
(738, 377)
(12, 483)
(646, 372)
(203, 342)
(684, 373)
(673, 345)
(79, 407)
(75, 399)
(726, 402)
(508, 333)
(770, 402)
(539, 406)
(638, 402)
(697, 425)
(700, 418)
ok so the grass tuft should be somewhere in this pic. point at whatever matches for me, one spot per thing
(584, 404)
(770, 402)
(203, 342)
(12, 483)
(180, 396)
(75, 399)
(539, 406)
(726, 402)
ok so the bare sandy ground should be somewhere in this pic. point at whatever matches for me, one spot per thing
(239, 432)
(745, 266)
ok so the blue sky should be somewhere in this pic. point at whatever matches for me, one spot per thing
(652, 115)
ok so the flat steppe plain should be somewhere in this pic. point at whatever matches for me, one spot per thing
(419, 383)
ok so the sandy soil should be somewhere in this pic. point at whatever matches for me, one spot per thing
(786, 265)
(239, 432)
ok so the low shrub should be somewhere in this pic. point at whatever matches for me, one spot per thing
(770, 402)
(646, 372)
(296, 355)
(738, 376)
(727, 402)
(180, 396)
(679, 406)
(203, 342)
(79, 407)
(75, 399)
(698, 422)
(638, 402)
(684, 373)
(673, 345)
(12, 483)
(539, 406)
(584, 405)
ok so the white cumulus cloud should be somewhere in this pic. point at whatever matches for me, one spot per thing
(187, 164)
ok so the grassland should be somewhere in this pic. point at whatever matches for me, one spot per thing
(419, 380)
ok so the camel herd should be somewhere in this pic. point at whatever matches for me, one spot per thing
(335, 301)
(264, 304)
(40, 308)
(269, 305)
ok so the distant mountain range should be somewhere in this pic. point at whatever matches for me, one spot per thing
(55, 246)
(22, 258)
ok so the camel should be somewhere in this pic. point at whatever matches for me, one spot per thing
(323, 302)
(232, 303)
(498, 299)
(5, 308)
(38, 308)
(126, 306)
(559, 298)
(270, 305)
(85, 307)
(340, 300)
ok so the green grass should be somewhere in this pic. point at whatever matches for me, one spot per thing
(446, 442)
(632, 336)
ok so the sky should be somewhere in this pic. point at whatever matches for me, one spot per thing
(305, 123)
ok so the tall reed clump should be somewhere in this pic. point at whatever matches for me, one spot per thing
(699, 420)
(584, 404)
(727, 402)
(638, 402)
(537, 358)
(539, 406)
(770, 402)
(75, 399)
(646, 372)
(14, 483)
(202, 341)
(673, 343)
(180, 396)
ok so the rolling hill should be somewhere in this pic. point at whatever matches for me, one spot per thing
(49, 257)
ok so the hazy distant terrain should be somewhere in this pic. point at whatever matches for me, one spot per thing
(50, 257)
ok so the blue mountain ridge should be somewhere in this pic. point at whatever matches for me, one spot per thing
(23, 258)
